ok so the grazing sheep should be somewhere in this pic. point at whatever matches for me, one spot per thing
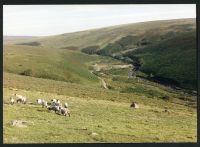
(44, 104)
(12, 100)
(64, 111)
(134, 105)
(54, 108)
(66, 105)
(20, 98)
(39, 101)
(56, 103)
(53, 100)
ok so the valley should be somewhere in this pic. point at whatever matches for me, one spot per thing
(89, 70)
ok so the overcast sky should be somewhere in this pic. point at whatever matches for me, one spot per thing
(42, 20)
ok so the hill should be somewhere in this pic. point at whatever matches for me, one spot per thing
(12, 39)
(93, 110)
(139, 41)
(103, 36)
(89, 70)
(167, 54)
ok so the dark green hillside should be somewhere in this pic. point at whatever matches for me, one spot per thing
(125, 43)
(90, 50)
(168, 55)
(172, 59)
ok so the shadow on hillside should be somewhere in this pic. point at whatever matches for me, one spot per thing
(169, 83)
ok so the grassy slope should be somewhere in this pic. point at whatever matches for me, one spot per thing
(61, 65)
(169, 52)
(15, 39)
(106, 35)
(173, 58)
(89, 102)
(174, 39)
(92, 111)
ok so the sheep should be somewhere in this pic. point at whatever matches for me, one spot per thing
(134, 105)
(56, 103)
(66, 105)
(64, 111)
(20, 98)
(54, 108)
(53, 100)
(42, 102)
(12, 100)
(39, 101)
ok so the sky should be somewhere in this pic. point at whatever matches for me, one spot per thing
(44, 20)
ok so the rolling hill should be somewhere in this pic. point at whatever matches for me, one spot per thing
(166, 49)
(89, 71)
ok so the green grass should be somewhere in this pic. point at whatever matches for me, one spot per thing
(174, 59)
(94, 109)
(63, 65)
(60, 70)
(167, 49)
(103, 36)
(113, 121)
(122, 72)
(168, 54)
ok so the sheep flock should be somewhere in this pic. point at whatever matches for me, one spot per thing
(55, 104)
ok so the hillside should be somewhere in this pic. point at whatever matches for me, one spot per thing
(93, 110)
(155, 44)
(89, 70)
(103, 36)
(12, 39)
(167, 53)
(46, 63)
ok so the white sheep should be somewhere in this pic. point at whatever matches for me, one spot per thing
(64, 111)
(12, 100)
(20, 98)
(54, 108)
(42, 102)
(39, 101)
(66, 105)
(56, 103)
(53, 100)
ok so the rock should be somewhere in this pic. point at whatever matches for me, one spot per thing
(94, 134)
(84, 128)
(134, 105)
(167, 111)
(99, 126)
(19, 123)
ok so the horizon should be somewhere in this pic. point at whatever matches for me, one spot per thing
(36, 22)
(95, 28)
